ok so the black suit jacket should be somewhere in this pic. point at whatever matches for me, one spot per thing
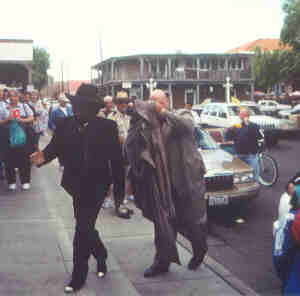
(92, 157)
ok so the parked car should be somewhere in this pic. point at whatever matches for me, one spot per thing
(228, 179)
(272, 107)
(226, 115)
(284, 125)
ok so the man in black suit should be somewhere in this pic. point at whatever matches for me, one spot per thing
(91, 152)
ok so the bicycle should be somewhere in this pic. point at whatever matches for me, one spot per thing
(268, 169)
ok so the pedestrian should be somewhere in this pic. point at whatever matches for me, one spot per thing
(89, 161)
(286, 247)
(123, 120)
(188, 106)
(62, 111)
(40, 117)
(108, 109)
(57, 114)
(17, 114)
(245, 137)
(168, 188)
(2, 137)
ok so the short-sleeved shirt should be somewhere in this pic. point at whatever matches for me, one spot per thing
(24, 109)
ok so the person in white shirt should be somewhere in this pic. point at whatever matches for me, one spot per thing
(17, 156)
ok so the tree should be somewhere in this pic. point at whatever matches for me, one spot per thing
(41, 63)
(290, 32)
(267, 68)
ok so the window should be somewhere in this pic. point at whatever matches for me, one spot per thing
(214, 111)
(222, 114)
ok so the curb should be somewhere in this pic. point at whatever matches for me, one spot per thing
(221, 271)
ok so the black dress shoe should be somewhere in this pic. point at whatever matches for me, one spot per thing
(101, 268)
(156, 268)
(195, 262)
(73, 286)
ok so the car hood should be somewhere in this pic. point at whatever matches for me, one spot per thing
(218, 161)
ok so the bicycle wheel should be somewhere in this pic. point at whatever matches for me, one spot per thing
(268, 170)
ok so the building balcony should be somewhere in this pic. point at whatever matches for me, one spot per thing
(204, 76)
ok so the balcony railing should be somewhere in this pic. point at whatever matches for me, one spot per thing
(187, 75)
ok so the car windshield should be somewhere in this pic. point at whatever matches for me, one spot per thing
(204, 140)
(233, 110)
(253, 110)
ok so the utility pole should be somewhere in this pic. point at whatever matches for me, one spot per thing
(62, 77)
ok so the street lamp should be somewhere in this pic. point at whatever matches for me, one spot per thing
(151, 85)
(228, 86)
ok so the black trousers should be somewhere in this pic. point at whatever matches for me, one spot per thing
(17, 158)
(86, 240)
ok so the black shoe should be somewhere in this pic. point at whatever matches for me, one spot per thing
(195, 262)
(101, 268)
(73, 286)
(156, 268)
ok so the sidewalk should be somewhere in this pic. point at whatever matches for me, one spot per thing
(36, 250)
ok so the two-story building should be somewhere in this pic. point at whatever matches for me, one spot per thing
(192, 77)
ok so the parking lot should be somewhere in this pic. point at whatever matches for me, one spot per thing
(247, 231)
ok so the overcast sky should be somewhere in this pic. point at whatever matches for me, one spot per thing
(71, 30)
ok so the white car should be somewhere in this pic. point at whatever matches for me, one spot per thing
(293, 111)
(227, 115)
(282, 125)
(270, 106)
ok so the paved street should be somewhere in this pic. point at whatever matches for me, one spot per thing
(37, 230)
(246, 250)
(36, 250)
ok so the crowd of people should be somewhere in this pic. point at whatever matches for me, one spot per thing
(24, 118)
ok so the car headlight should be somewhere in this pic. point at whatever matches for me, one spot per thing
(243, 178)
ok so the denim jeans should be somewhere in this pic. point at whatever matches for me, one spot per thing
(252, 160)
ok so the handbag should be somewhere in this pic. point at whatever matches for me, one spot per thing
(17, 135)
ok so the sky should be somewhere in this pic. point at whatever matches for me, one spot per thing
(72, 31)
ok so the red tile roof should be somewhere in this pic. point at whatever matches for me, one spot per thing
(263, 44)
(71, 86)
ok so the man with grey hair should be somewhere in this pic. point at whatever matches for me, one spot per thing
(167, 175)
(107, 110)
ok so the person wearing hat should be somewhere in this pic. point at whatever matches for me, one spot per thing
(64, 110)
(123, 121)
(120, 116)
(91, 164)
(245, 137)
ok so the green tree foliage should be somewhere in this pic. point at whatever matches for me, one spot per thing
(290, 32)
(41, 63)
(273, 67)
(267, 68)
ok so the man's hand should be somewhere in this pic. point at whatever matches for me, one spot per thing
(37, 158)
(159, 107)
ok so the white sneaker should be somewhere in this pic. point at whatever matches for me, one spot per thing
(12, 186)
(26, 186)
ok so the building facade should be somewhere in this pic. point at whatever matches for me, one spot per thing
(16, 57)
(185, 77)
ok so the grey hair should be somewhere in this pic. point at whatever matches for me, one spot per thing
(108, 99)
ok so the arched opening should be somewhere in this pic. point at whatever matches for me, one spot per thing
(14, 75)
